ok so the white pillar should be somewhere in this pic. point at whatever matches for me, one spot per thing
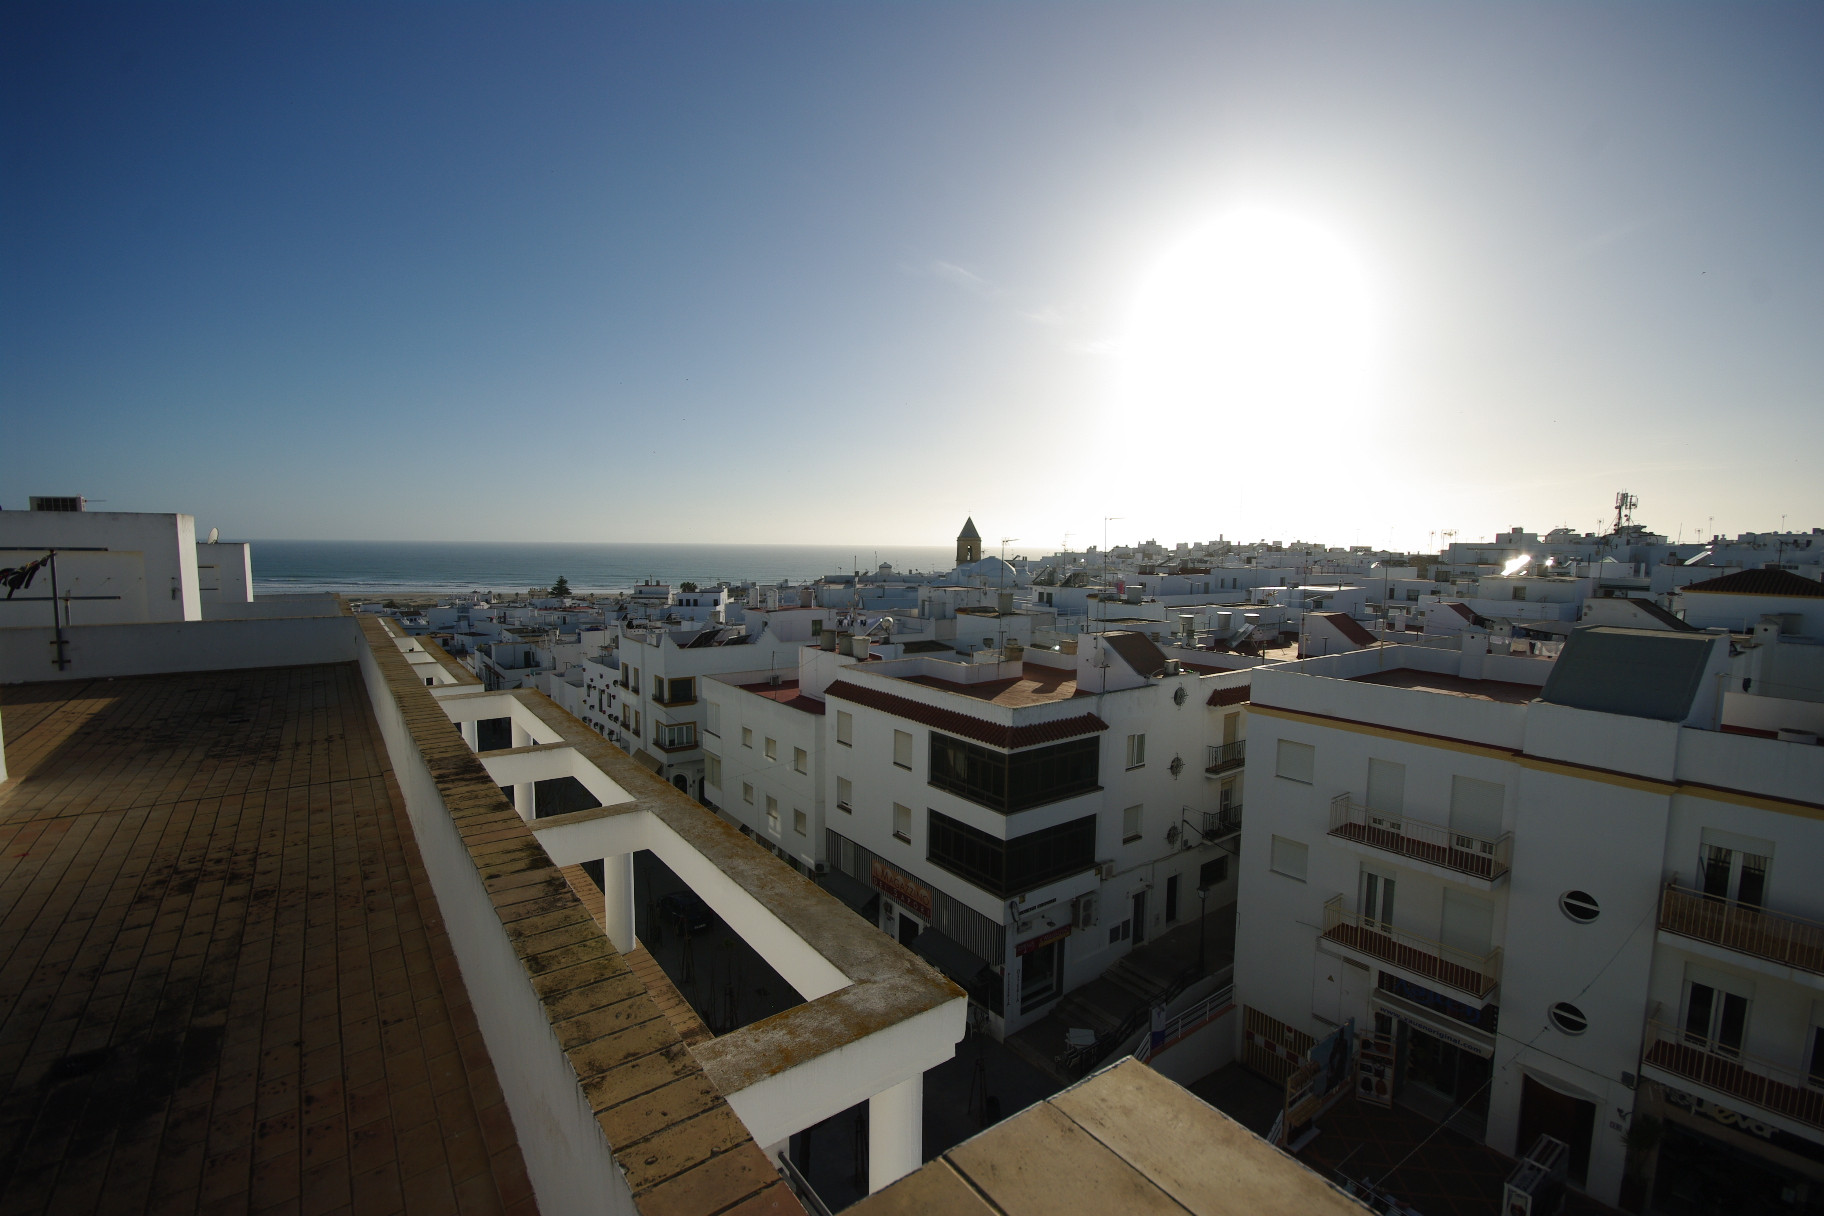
(525, 800)
(521, 737)
(617, 900)
(896, 1132)
(469, 734)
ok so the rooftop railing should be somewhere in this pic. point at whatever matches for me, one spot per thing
(1776, 937)
(1421, 840)
(1476, 974)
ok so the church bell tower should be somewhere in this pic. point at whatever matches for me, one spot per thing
(968, 543)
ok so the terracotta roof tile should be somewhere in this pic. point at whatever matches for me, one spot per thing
(1761, 582)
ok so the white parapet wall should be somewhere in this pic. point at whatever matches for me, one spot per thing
(105, 651)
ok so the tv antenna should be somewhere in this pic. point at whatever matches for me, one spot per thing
(1624, 509)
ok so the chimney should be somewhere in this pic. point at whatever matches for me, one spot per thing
(827, 639)
(1005, 603)
(1013, 652)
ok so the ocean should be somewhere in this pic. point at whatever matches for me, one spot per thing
(362, 568)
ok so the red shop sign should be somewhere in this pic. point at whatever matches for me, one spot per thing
(1043, 939)
(901, 888)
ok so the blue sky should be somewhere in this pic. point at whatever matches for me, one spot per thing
(844, 274)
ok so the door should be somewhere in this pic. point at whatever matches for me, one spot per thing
(1386, 795)
(1377, 902)
(909, 930)
(1546, 1112)
(1231, 727)
(1139, 917)
(1171, 899)
(1731, 872)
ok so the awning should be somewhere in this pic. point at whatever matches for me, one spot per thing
(853, 892)
(949, 956)
(1456, 1034)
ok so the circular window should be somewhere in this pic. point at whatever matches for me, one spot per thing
(1580, 906)
(1568, 1018)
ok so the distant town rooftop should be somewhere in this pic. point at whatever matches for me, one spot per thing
(1038, 686)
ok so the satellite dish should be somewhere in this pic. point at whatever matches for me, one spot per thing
(213, 534)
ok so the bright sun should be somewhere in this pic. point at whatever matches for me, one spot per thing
(1256, 315)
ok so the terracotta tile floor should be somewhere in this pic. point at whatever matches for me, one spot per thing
(224, 983)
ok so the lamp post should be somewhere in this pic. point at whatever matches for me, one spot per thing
(1203, 924)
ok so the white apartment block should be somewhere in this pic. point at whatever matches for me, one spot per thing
(1575, 899)
(1025, 816)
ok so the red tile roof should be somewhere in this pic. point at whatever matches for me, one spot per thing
(1231, 696)
(785, 693)
(1344, 624)
(995, 734)
(1761, 582)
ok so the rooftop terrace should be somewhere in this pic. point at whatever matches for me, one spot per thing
(1505, 691)
(1038, 686)
(226, 980)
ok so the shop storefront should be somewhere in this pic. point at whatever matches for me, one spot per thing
(1443, 1052)
(1041, 967)
(1716, 1160)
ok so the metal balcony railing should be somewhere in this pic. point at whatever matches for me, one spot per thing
(1789, 940)
(1225, 821)
(1226, 756)
(1743, 1077)
(1476, 974)
(1421, 840)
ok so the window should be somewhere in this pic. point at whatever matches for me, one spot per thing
(712, 718)
(1008, 867)
(1519, 591)
(902, 749)
(1213, 874)
(1568, 1018)
(1288, 858)
(800, 760)
(772, 814)
(845, 794)
(747, 736)
(712, 769)
(1130, 825)
(845, 728)
(1580, 906)
(1014, 781)
(772, 749)
(1297, 762)
(902, 823)
(675, 736)
(1731, 867)
(1136, 751)
(1716, 1018)
(747, 792)
(800, 822)
(682, 691)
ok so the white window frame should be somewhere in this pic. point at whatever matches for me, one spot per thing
(902, 823)
(747, 736)
(772, 748)
(902, 742)
(1289, 858)
(772, 814)
(845, 795)
(1293, 758)
(801, 823)
(712, 769)
(1136, 751)
(712, 718)
(1133, 823)
(747, 792)
(845, 728)
(801, 760)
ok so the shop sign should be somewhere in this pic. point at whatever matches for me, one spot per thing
(1044, 939)
(903, 890)
(1482, 1019)
(1748, 1124)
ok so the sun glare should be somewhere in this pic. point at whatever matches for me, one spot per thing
(1256, 315)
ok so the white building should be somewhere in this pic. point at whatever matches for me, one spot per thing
(1568, 905)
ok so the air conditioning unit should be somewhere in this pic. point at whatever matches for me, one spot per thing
(1105, 870)
(1083, 910)
(1536, 1187)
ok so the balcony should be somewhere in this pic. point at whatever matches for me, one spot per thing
(1226, 757)
(1789, 941)
(1737, 1077)
(1225, 821)
(1419, 840)
(1475, 974)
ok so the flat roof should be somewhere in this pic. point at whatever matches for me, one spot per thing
(1039, 686)
(785, 692)
(1455, 686)
(1123, 1140)
(232, 982)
